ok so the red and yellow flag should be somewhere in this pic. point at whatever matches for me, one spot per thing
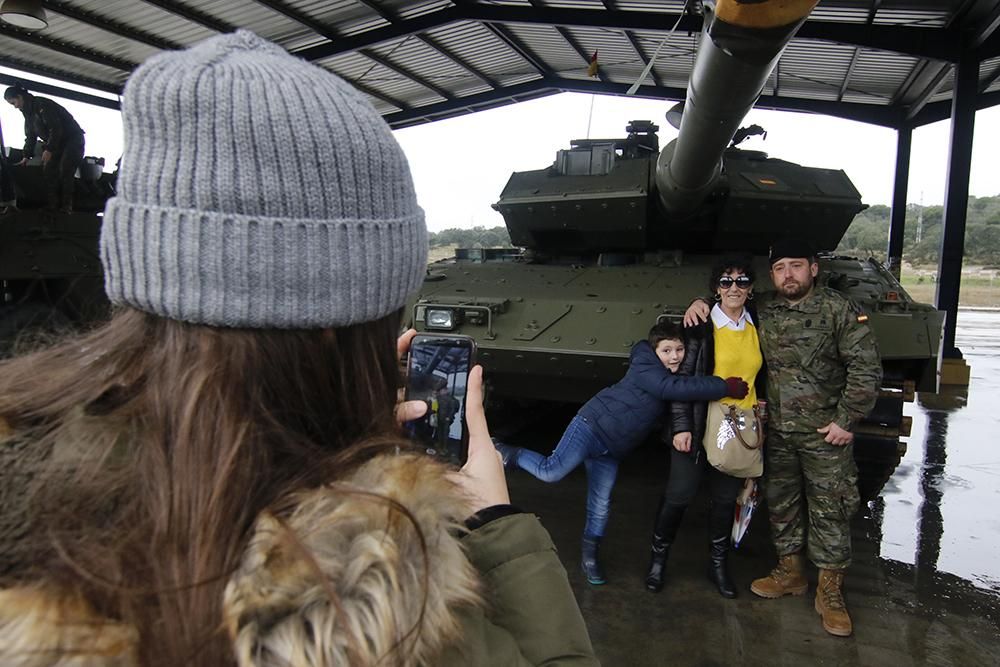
(592, 67)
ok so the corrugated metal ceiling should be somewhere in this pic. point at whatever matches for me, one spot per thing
(889, 60)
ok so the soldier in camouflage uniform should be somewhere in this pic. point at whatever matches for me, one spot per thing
(823, 376)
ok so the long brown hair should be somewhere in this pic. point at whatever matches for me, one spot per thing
(169, 439)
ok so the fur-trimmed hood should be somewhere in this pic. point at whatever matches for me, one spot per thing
(346, 578)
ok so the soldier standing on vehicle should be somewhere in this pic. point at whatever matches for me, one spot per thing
(63, 137)
(823, 376)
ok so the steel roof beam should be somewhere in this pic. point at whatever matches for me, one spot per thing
(66, 48)
(484, 100)
(480, 102)
(520, 48)
(612, 6)
(402, 71)
(192, 15)
(404, 28)
(643, 58)
(847, 75)
(865, 113)
(941, 110)
(59, 91)
(459, 60)
(988, 80)
(109, 25)
(923, 86)
(922, 42)
(393, 18)
(872, 13)
(986, 29)
(569, 39)
(565, 34)
(876, 5)
(392, 101)
(61, 75)
(302, 19)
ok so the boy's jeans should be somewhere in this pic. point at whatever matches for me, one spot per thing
(579, 444)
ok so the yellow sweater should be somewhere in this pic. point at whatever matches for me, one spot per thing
(737, 354)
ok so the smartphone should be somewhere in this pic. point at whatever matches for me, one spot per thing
(438, 373)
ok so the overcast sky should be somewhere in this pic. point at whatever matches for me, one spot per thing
(460, 165)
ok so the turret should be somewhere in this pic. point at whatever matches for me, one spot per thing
(604, 197)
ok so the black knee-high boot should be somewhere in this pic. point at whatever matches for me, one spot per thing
(668, 519)
(720, 526)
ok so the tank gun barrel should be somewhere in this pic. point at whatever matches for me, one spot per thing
(740, 45)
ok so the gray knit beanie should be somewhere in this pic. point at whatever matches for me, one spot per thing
(257, 190)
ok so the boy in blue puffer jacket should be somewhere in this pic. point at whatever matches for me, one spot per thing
(616, 421)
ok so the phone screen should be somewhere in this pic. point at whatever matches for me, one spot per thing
(438, 374)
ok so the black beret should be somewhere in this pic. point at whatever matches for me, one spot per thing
(791, 247)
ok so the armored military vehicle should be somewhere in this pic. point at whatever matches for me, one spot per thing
(616, 233)
(50, 269)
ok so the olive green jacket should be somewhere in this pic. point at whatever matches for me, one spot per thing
(411, 588)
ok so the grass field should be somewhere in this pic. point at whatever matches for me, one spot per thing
(978, 288)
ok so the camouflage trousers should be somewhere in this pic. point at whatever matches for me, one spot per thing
(812, 492)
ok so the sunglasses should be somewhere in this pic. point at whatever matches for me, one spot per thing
(743, 282)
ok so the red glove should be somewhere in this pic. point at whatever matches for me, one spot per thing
(736, 387)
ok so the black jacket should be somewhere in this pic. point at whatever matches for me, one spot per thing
(699, 359)
(623, 414)
(48, 121)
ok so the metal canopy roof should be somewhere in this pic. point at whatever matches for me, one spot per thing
(888, 62)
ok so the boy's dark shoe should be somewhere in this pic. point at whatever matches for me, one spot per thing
(508, 453)
(591, 566)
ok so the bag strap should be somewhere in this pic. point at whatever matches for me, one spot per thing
(734, 421)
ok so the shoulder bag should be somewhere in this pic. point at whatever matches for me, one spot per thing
(733, 439)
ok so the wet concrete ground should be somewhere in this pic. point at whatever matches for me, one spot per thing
(924, 587)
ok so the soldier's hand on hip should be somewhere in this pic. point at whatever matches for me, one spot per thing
(836, 435)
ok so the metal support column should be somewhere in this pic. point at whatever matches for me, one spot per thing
(897, 220)
(956, 197)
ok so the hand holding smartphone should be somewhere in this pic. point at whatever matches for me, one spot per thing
(438, 374)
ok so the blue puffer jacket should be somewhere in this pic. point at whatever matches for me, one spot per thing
(624, 413)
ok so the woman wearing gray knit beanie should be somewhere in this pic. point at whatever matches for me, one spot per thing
(227, 484)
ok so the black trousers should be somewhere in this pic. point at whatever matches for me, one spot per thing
(686, 471)
(6, 181)
(59, 172)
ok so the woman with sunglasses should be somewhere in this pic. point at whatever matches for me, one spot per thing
(725, 345)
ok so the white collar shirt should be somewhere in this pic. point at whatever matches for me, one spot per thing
(721, 320)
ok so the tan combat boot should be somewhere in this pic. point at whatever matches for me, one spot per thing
(830, 603)
(786, 578)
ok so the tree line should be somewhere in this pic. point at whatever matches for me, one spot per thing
(869, 233)
(477, 237)
(867, 236)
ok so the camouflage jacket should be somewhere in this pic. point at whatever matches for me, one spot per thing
(822, 361)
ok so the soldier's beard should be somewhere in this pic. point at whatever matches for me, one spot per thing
(794, 290)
